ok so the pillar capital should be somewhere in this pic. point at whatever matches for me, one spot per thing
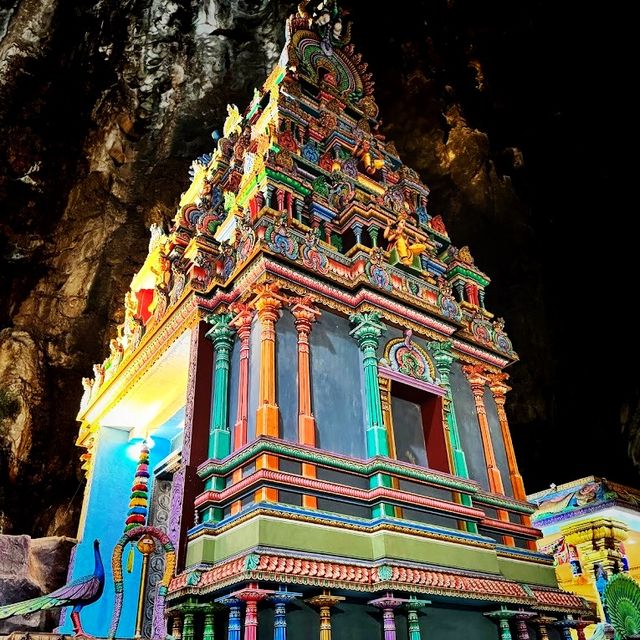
(283, 596)
(542, 624)
(441, 350)
(242, 315)
(501, 617)
(477, 377)
(325, 599)
(388, 601)
(367, 329)
(305, 312)
(498, 385)
(221, 332)
(413, 605)
(252, 593)
(268, 300)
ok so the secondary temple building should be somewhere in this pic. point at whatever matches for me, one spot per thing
(591, 526)
(310, 362)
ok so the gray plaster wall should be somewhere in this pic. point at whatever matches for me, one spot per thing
(254, 378)
(234, 376)
(337, 387)
(497, 440)
(467, 419)
(287, 376)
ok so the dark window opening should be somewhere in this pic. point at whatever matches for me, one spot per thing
(418, 431)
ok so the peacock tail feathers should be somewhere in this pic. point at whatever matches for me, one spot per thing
(622, 600)
(29, 606)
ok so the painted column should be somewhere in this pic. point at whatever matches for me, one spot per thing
(565, 626)
(281, 599)
(209, 624)
(188, 628)
(221, 334)
(413, 605)
(388, 604)
(499, 388)
(541, 624)
(501, 618)
(242, 323)
(251, 596)
(580, 626)
(323, 603)
(176, 625)
(367, 332)
(186, 483)
(521, 618)
(477, 379)
(373, 234)
(268, 302)
(443, 358)
(305, 314)
(235, 613)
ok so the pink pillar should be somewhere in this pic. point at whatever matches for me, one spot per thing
(388, 604)
(251, 595)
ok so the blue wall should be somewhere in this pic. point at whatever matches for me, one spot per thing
(110, 489)
(336, 387)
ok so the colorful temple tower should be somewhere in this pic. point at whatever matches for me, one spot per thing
(313, 363)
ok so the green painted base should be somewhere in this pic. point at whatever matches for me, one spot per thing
(266, 531)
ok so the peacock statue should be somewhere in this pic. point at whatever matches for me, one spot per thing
(622, 603)
(77, 594)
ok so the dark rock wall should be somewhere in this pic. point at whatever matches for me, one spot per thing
(104, 103)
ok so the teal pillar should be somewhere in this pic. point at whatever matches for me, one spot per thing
(221, 334)
(443, 358)
(413, 605)
(367, 331)
(501, 618)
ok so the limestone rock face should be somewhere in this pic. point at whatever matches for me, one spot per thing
(30, 568)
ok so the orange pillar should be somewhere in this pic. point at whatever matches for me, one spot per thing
(242, 323)
(477, 380)
(499, 388)
(267, 302)
(305, 313)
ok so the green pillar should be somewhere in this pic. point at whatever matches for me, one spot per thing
(443, 357)
(367, 331)
(188, 627)
(221, 334)
(209, 625)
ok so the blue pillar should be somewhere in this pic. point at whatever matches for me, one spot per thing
(281, 599)
(235, 616)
